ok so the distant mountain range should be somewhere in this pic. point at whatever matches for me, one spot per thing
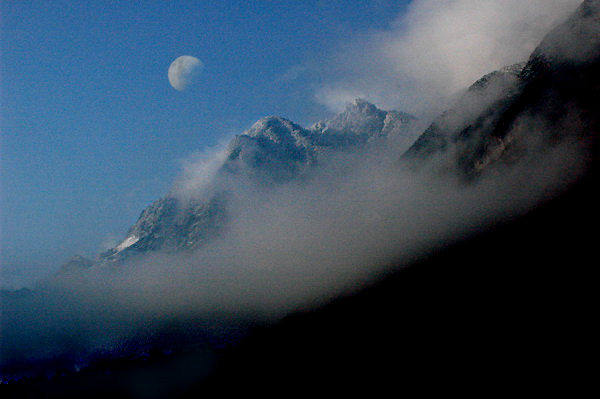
(273, 151)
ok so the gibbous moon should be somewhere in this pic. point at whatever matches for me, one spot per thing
(183, 71)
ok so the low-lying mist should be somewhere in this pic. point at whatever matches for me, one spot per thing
(286, 247)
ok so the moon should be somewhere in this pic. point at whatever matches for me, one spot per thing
(183, 71)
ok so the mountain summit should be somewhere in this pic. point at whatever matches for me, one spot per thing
(278, 149)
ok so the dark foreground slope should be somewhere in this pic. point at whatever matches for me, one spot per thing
(510, 309)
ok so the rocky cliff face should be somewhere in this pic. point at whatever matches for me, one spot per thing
(481, 105)
(171, 225)
(505, 115)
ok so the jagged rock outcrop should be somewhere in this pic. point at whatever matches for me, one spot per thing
(171, 225)
(364, 121)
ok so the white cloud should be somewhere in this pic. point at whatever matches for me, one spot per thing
(337, 98)
(292, 73)
(199, 172)
(439, 48)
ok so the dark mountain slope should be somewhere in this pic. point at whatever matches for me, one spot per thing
(510, 309)
(552, 99)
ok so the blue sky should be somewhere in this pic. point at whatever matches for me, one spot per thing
(91, 130)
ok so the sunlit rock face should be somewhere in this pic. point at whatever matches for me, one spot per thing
(361, 118)
(522, 109)
(273, 148)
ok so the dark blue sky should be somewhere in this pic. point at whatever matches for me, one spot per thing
(91, 130)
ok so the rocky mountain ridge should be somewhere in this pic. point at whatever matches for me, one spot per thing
(272, 151)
